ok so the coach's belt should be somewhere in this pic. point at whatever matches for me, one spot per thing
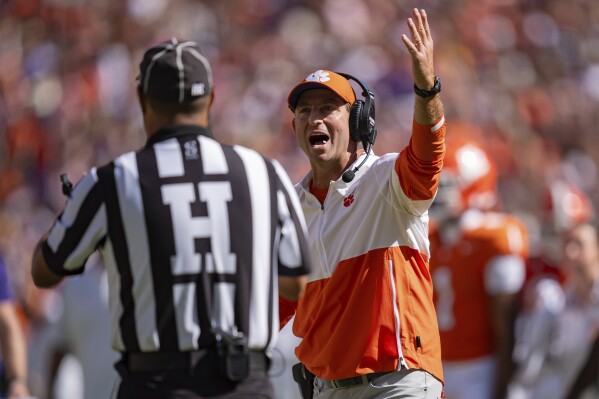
(205, 359)
(348, 382)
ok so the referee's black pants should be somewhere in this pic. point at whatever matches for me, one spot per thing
(203, 380)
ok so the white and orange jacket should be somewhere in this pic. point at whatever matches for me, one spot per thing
(369, 304)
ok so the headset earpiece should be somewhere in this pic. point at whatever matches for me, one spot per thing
(361, 116)
(361, 124)
(354, 120)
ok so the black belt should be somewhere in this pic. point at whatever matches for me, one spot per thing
(342, 383)
(204, 359)
(351, 381)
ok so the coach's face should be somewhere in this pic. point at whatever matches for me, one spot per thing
(321, 124)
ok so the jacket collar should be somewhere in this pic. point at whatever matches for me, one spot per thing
(339, 184)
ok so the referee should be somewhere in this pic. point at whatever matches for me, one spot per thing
(194, 235)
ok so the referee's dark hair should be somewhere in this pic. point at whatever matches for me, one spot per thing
(167, 108)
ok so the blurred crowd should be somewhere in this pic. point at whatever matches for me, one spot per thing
(521, 76)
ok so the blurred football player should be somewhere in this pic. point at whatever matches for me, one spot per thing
(478, 266)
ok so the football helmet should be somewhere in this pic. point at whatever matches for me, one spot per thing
(469, 177)
(565, 205)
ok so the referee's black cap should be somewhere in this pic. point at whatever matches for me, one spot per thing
(175, 71)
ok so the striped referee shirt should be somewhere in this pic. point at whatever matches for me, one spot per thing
(193, 234)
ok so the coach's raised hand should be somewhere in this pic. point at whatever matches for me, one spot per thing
(428, 107)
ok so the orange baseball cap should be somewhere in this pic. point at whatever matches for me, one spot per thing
(323, 79)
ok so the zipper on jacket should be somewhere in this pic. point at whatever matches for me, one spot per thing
(402, 361)
(320, 244)
(323, 257)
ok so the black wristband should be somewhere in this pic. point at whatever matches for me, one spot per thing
(427, 93)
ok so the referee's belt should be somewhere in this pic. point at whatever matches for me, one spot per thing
(204, 359)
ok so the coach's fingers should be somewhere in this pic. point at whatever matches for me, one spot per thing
(420, 47)
(416, 40)
(423, 28)
(411, 46)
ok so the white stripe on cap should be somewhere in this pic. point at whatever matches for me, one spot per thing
(203, 60)
(179, 51)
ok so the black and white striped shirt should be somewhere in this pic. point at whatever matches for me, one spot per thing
(193, 234)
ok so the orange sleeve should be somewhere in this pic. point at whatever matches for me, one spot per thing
(419, 164)
(428, 142)
(286, 311)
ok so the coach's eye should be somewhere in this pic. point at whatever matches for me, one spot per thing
(303, 109)
(328, 108)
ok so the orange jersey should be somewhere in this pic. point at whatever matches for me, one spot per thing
(487, 259)
(369, 304)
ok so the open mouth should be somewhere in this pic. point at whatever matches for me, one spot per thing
(318, 139)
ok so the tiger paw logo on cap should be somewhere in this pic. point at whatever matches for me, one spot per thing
(322, 79)
(318, 76)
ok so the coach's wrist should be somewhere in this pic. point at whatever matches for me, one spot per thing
(429, 91)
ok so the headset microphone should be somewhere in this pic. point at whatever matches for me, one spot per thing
(349, 174)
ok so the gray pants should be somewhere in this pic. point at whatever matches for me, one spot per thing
(403, 384)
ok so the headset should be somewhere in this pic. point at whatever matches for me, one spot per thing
(361, 123)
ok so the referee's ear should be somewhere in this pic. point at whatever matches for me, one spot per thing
(141, 98)
(211, 100)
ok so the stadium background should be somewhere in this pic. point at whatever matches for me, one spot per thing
(522, 75)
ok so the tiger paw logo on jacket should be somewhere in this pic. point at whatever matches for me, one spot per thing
(347, 201)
